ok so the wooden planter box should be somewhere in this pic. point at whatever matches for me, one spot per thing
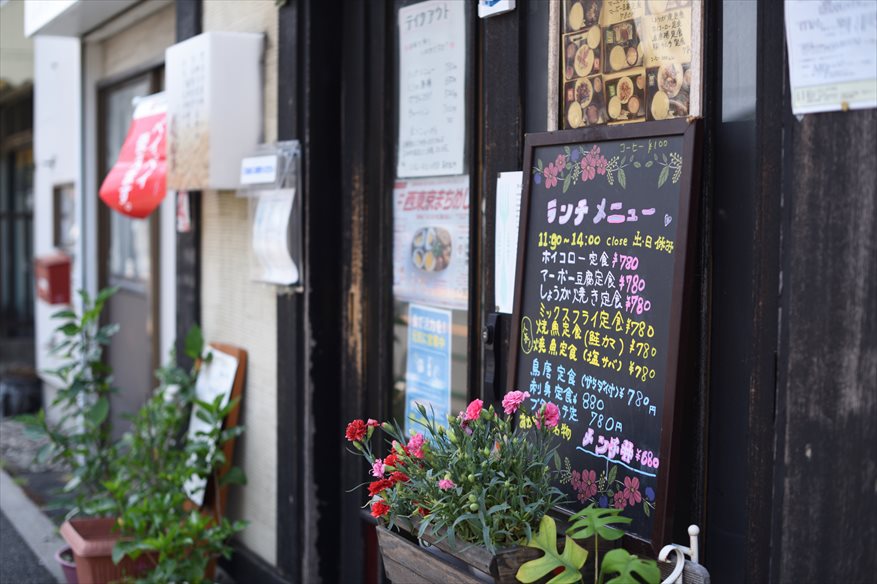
(406, 562)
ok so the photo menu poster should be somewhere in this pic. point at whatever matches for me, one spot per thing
(630, 61)
(431, 241)
(432, 89)
(595, 335)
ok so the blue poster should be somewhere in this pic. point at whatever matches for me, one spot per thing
(428, 371)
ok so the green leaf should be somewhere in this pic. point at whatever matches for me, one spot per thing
(595, 520)
(646, 508)
(566, 182)
(662, 178)
(98, 412)
(613, 472)
(626, 565)
(636, 164)
(69, 329)
(649, 164)
(622, 178)
(194, 342)
(571, 560)
(64, 314)
(105, 294)
(234, 476)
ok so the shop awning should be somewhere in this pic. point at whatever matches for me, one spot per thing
(137, 183)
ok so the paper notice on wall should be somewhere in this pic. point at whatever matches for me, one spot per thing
(431, 241)
(832, 54)
(432, 88)
(428, 368)
(508, 214)
(270, 238)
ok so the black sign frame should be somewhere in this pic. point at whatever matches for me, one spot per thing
(681, 295)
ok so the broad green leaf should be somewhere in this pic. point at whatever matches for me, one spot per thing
(571, 560)
(662, 178)
(622, 178)
(194, 345)
(68, 329)
(626, 565)
(595, 520)
(98, 412)
(64, 314)
(567, 182)
(234, 476)
(613, 472)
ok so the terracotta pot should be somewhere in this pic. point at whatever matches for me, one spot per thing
(92, 541)
(67, 566)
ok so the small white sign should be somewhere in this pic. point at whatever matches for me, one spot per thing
(215, 379)
(832, 55)
(493, 7)
(508, 215)
(432, 88)
(257, 170)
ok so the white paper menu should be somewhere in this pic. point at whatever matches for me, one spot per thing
(832, 54)
(432, 89)
(508, 215)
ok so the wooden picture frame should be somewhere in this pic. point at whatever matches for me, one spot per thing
(679, 288)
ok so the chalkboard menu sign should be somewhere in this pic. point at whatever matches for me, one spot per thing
(604, 231)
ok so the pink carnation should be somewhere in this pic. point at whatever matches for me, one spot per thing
(378, 468)
(512, 401)
(473, 411)
(446, 484)
(551, 414)
(415, 445)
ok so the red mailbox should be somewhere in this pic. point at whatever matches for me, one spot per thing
(53, 278)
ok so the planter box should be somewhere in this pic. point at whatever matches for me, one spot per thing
(406, 561)
(92, 541)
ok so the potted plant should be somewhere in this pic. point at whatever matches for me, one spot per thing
(82, 440)
(476, 491)
(162, 532)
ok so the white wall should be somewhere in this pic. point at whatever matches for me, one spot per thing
(56, 158)
(241, 312)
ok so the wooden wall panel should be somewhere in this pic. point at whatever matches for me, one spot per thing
(827, 390)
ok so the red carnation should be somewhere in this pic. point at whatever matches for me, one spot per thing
(399, 477)
(392, 460)
(379, 509)
(378, 486)
(355, 430)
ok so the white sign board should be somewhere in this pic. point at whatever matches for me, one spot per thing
(508, 215)
(832, 54)
(215, 379)
(432, 88)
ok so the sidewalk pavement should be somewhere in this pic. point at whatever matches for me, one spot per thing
(28, 539)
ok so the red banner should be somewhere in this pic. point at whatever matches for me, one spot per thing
(136, 184)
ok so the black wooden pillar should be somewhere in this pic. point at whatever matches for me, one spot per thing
(309, 422)
(188, 276)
